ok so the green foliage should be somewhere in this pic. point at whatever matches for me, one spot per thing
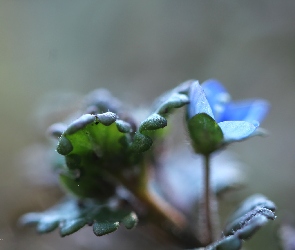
(252, 214)
(175, 98)
(153, 122)
(98, 149)
(106, 150)
(70, 215)
(95, 148)
(140, 143)
(250, 204)
(205, 133)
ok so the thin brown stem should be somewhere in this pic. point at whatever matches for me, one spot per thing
(163, 209)
(162, 214)
(167, 218)
(157, 205)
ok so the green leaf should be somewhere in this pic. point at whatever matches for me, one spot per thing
(95, 147)
(88, 184)
(260, 213)
(106, 118)
(130, 220)
(70, 226)
(123, 126)
(47, 227)
(153, 122)
(104, 228)
(175, 98)
(234, 242)
(140, 143)
(252, 202)
(245, 226)
(205, 133)
(229, 243)
(71, 215)
(64, 146)
(101, 135)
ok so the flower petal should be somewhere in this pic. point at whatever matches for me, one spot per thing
(236, 130)
(198, 101)
(247, 110)
(217, 97)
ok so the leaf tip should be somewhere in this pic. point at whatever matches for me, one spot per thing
(103, 228)
(153, 122)
(64, 146)
(130, 221)
(106, 118)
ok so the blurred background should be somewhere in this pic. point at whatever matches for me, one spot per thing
(54, 51)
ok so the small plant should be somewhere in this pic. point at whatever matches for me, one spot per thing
(113, 172)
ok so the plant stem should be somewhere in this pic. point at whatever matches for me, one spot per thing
(161, 213)
(207, 198)
(168, 219)
(156, 204)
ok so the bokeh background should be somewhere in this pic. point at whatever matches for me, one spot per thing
(54, 51)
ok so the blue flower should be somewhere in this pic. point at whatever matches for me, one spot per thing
(237, 120)
(251, 110)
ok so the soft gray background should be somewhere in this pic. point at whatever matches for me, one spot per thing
(138, 49)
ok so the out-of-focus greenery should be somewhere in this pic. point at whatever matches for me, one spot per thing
(48, 48)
